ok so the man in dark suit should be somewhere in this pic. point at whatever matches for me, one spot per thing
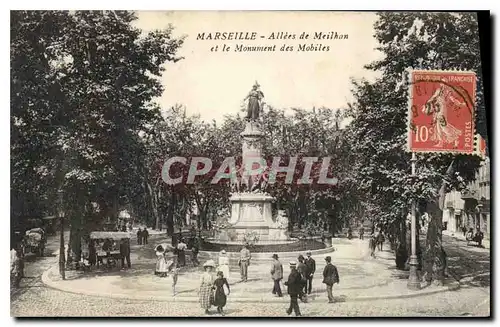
(330, 277)
(310, 269)
(125, 252)
(277, 275)
(295, 286)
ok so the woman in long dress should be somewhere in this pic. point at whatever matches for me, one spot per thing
(437, 106)
(161, 262)
(220, 293)
(206, 285)
(223, 263)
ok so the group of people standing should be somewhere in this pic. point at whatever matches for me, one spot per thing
(376, 242)
(299, 283)
(142, 236)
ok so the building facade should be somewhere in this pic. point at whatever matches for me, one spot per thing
(471, 207)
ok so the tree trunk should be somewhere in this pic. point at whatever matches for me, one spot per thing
(170, 215)
(434, 263)
(402, 254)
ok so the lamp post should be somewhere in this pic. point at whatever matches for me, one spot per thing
(413, 281)
(62, 261)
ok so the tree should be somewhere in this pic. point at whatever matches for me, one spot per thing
(425, 41)
(97, 78)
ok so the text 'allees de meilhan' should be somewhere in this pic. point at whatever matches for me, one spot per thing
(251, 36)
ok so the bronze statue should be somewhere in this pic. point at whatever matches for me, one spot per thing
(254, 102)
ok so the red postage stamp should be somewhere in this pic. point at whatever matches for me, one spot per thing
(441, 111)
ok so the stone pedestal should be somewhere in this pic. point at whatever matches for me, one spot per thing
(252, 211)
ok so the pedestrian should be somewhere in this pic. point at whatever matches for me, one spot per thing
(181, 253)
(125, 252)
(194, 253)
(380, 240)
(277, 275)
(206, 285)
(244, 262)
(310, 270)
(295, 286)
(139, 236)
(223, 263)
(222, 290)
(161, 262)
(361, 233)
(464, 230)
(15, 268)
(330, 277)
(145, 235)
(372, 245)
(302, 269)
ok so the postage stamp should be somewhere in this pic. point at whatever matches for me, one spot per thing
(441, 111)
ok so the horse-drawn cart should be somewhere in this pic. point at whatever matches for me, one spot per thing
(35, 240)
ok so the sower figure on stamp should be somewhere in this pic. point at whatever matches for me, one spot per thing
(244, 262)
(310, 269)
(277, 275)
(295, 287)
(437, 106)
(254, 102)
(330, 277)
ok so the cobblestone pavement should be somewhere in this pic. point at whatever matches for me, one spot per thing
(43, 301)
(469, 264)
(472, 299)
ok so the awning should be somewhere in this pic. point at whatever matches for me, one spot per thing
(112, 235)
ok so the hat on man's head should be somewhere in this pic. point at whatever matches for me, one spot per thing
(223, 252)
(275, 256)
(328, 258)
(293, 264)
(308, 252)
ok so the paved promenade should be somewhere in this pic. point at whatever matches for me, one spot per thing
(362, 278)
(369, 288)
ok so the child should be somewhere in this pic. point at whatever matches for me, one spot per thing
(175, 274)
(220, 293)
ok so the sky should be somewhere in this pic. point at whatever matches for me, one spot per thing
(213, 84)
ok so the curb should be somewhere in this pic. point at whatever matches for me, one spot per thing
(194, 299)
(267, 255)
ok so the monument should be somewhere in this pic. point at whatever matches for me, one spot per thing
(251, 205)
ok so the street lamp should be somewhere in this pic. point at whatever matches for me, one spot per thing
(62, 261)
(413, 281)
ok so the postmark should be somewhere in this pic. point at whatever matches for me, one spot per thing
(441, 111)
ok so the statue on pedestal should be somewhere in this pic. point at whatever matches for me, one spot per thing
(254, 102)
